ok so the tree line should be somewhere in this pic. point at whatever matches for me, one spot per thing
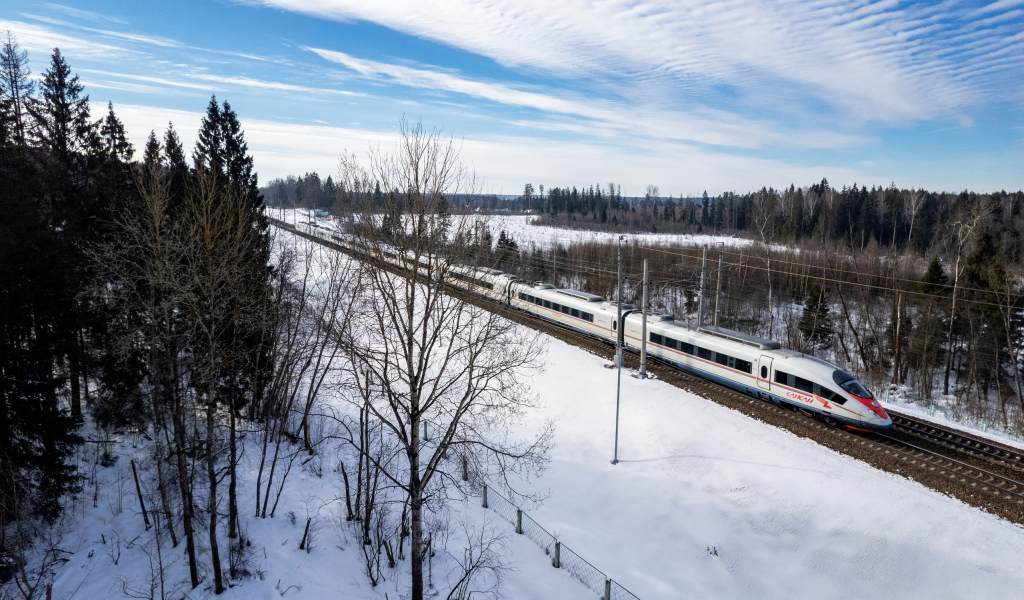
(137, 295)
(142, 295)
(945, 327)
(854, 216)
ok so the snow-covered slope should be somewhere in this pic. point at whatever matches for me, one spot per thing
(786, 517)
(706, 503)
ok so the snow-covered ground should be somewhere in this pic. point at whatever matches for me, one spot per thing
(941, 417)
(545, 236)
(706, 503)
(788, 518)
(527, 234)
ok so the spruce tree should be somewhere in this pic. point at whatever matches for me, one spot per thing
(16, 88)
(816, 321)
(115, 138)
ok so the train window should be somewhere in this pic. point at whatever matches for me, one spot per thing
(565, 309)
(746, 366)
(764, 372)
(782, 377)
(538, 301)
(722, 359)
(655, 338)
(686, 348)
(803, 385)
(671, 343)
(829, 394)
(522, 296)
(703, 353)
(589, 317)
(531, 299)
(732, 363)
(547, 304)
(575, 312)
(615, 325)
(556, 306)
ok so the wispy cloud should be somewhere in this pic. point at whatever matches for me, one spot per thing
(149, 79)
(214, 83)
(280, 149)
(271, 85)
(883, 61)
(87, 15)
(703, 125)
(127, 36)
(43, 40)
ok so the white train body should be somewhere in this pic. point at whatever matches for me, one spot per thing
(752, 365)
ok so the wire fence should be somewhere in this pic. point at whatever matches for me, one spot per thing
(562, 557)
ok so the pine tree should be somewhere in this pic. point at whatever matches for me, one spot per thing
(816, 321)
(61, 116)
(16, 87)
(115, 139)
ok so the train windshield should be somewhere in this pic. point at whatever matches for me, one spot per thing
(850, 384)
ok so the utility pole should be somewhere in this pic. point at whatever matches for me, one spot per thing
(618, 355)
(643, 331)
(718, 292)
(703, 280)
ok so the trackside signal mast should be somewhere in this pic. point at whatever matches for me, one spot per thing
(618, 355)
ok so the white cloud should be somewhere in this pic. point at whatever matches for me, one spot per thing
(504, 163)
(884, 61)
(40, 41)
(83, 14)
(270, 85)
(131, 37)
(612, 118)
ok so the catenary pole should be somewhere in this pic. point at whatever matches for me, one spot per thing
(718, 292)
(703, 279)
(618, 355)
(643, 329)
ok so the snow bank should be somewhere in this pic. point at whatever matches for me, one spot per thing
(708, 503)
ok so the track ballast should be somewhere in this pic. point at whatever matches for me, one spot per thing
(975, 470)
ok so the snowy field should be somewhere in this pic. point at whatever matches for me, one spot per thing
(544, 237)
(706, 503)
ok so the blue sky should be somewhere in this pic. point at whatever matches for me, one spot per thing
(730, 95)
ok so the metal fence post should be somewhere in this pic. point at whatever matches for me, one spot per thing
(558, 555)
(485, 495)
(519, 521)
(607, 589)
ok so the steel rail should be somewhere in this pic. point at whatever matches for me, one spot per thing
(929, 457)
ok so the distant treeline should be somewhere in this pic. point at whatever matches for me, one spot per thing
(855, 216)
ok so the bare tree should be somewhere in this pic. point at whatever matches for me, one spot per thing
(963, 230)
(912, 202)
(443, 378)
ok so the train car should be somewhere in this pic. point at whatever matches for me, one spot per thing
(752, 365)
(584, 312)
(484, 281)
(763, 369)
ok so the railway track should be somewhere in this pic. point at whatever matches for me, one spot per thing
(977, 471)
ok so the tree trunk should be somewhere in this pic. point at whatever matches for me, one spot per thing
(896, 353)
(186, 489)
(232, 469)
(211, 472)
(416, 510)
(949, 336)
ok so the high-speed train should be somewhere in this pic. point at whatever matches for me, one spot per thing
(749, 364)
